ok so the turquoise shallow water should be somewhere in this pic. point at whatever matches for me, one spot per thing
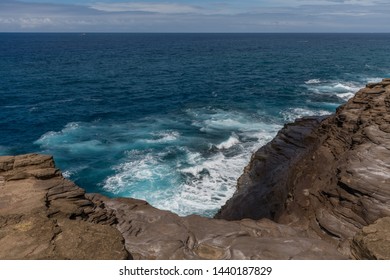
(171, 118)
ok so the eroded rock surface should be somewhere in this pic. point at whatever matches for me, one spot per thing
(155, 234)
(336, 185)
(373, 241)
(44, 216)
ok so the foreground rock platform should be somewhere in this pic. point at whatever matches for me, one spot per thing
(45, 216)
(319, 190)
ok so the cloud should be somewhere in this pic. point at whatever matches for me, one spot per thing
(310, 16)
(26, 22)
(164, 8)
(328, 2)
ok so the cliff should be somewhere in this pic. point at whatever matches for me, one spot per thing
(319, 190)
(329, 177)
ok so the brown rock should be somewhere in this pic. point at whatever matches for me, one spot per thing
(85, 241)
(155, 234)
(6, 163)
(376, 90)
(373, 242)
(44, 216)
(338, 183)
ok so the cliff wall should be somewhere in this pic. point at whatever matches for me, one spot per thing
(331, 177)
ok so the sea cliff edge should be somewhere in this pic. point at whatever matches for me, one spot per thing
(319, 190)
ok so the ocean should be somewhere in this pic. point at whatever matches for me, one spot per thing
(171, 118)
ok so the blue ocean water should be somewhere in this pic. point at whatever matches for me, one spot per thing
(171, 118)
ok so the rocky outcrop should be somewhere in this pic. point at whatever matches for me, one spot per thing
(337, 185)
(44, 216)
(318, 187)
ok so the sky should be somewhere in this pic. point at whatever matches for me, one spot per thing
(195, 16)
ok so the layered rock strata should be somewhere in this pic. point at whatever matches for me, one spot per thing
(331, 180)
(44, 216)
(318, 187)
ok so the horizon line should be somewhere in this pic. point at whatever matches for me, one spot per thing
(188, 32)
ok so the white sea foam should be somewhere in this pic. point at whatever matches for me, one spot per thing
(313, 81)
(342, 89)
(259, 138)
(140, 168)
(73, 147)
(210, 183)
(163, 137)
(346, 96)
(346, 87)
(292, 114)
(219, 120)
(73, 170)
(52, 136)
(67, 174)
(178, 178)
(233, 140)
(324, 90)
(220, 123)
(210, 180)
(78, 138)
(186, 174)
(374, 80)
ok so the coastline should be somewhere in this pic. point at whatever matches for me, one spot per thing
(321, 184)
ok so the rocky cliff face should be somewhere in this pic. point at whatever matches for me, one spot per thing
(311, 193)
(331, 178)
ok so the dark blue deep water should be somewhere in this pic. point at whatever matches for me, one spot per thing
(171, 118)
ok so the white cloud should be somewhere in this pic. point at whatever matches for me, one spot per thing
(177, 17)
(33, 22)
(164, 8)
(27, 22)
(348, 14)
(327, 2)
